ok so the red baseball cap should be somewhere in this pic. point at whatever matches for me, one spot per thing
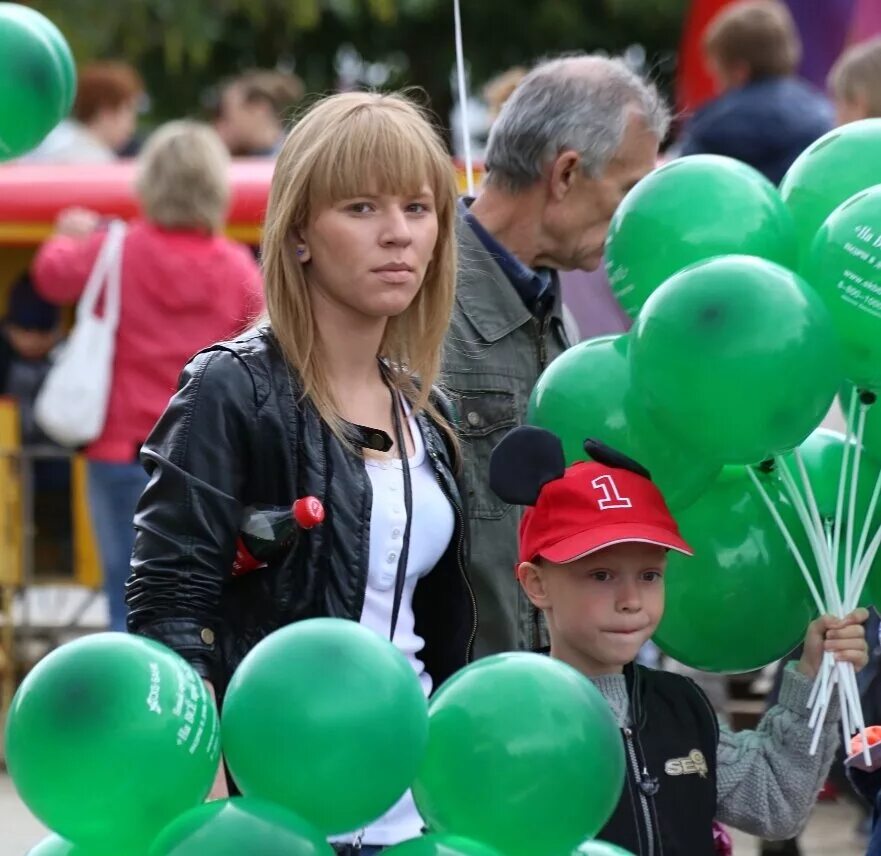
(593, 506)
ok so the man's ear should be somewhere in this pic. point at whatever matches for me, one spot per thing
(564, 171)
(533, 583)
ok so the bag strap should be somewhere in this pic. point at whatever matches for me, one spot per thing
(105, 272)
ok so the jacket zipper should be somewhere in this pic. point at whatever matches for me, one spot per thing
(643, 799)
(541, 328)
(469, 649)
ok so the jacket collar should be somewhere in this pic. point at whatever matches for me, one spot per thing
(494, 307)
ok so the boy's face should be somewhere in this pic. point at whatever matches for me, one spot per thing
(31, 344)
(601, 608)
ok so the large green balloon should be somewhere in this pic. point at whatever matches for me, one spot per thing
(59, 45)
(515, 738)
(740, 602)
(585, 392)
(33, 96)
(328, 719)
(601, 848)
(239, 826)
(841, 163)
(441, 845)
(54, 845)
(689, 210)
(735, 357)
(844, 265)
(109, 738)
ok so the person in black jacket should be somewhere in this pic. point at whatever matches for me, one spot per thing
(332, 397)
(593, 553)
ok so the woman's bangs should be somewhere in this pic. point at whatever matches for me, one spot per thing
(376, 151)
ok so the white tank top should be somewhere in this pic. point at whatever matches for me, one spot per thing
(430, 534)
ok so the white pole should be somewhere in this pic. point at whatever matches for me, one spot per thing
(463, 99)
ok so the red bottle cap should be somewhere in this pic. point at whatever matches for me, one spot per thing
(308, 512)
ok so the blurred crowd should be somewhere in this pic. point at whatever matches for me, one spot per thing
(186, 285)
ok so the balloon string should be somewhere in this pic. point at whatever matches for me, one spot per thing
(463, 98)
(820, 713)
(849, 560)
(842, 479)
(809, 517)
(787, 537)
(821, 528)
(862, 571)
(859, 556)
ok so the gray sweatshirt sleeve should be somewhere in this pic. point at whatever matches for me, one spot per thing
(767, 781)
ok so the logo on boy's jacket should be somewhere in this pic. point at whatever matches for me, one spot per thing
(694, 763)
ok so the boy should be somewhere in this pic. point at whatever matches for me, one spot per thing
(593, 547)
(765, 116)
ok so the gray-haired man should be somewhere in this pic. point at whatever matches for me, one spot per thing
(575, 136)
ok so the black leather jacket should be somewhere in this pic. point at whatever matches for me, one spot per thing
(237, 433)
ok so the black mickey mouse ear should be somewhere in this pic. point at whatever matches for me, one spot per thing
(603, 454)
(523, 462)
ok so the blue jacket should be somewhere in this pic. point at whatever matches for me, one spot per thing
(766, 124)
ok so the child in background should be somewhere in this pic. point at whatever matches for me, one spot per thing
(764, 115)
(855, 82)
(593, 552)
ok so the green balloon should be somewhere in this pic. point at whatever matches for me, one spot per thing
(237, 826)
(32, 97)
(689, 210)
(736, 358)
(109, 737)
(740, 602)
(822, 455)
(519, 737)
(56, 40)
(54, 845)
(585, 392)
(845, 268)
(328, 719)
(441, 845)
(841, 163)
(601, 848)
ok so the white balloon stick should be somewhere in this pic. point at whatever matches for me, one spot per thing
(463, 99)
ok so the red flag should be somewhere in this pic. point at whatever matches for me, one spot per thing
(693, 82)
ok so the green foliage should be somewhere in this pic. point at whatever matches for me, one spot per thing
(184, 46)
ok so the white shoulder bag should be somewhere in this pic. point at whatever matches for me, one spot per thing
(71, 406)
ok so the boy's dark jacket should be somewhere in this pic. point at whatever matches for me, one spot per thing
(670, 753)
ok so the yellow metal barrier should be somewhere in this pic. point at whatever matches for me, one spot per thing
(86, 560)
(11, 554)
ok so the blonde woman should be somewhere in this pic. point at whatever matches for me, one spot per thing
(183, 286)
(332, 398)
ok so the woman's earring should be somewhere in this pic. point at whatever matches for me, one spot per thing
(301, 251)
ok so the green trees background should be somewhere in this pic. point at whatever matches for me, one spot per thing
(184, 46)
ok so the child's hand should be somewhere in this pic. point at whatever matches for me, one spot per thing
(844, 637)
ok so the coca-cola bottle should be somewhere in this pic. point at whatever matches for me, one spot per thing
(267, 531)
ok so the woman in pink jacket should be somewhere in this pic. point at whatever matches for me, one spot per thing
(184, 286)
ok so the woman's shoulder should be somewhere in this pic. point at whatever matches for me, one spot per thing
(245, 363)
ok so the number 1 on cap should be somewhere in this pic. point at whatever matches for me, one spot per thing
(611, 497)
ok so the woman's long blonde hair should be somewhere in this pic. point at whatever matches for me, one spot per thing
(344, 146)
